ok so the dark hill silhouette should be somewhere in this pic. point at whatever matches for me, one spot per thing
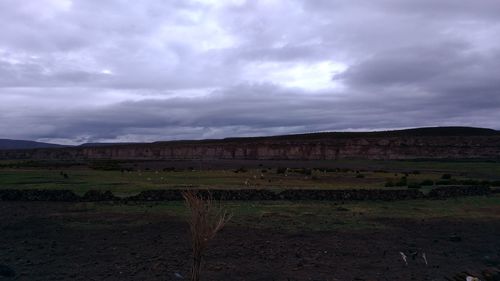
(99, 144)
(416, 132)
(25, 144)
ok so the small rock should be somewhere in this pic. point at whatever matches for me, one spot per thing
(215, 268)
(455, 238)
(6, 271)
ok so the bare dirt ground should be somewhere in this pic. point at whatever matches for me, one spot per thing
(53, 241)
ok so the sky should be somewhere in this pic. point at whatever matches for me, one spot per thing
(76, 71)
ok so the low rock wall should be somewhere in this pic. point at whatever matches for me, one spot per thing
(458, 191)
(247, 194)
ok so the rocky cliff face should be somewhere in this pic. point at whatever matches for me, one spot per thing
(319, 148)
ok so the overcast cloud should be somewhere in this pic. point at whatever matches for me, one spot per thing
(74, 71)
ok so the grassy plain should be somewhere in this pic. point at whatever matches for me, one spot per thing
(317, 216)
(124, 178)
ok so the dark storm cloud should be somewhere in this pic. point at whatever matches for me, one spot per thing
(450, 74)
(462, 10)
(283, 53)
(410, 66)
(74, 71)
(275, 111)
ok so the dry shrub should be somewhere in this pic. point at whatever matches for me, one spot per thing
(207, 217)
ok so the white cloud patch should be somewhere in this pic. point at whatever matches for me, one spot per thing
(307, 76)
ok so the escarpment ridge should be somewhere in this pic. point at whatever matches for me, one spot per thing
(420, 143)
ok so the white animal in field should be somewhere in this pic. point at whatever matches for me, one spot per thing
(403, 256)
(414, 254)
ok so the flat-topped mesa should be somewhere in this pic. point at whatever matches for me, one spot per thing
(431, 143)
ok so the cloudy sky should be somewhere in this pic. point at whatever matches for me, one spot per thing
(74, 71)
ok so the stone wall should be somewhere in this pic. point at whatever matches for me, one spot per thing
(247, 194)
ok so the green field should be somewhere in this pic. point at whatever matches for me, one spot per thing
(346, 174)
(127, 178)
(317, 216)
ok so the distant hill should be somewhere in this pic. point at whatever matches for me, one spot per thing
(100, 144)
(24, 144)
(416, 132)
(419, 143)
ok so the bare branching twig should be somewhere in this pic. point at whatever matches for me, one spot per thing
(207, 217)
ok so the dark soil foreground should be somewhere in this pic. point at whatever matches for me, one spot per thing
(54, 241)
